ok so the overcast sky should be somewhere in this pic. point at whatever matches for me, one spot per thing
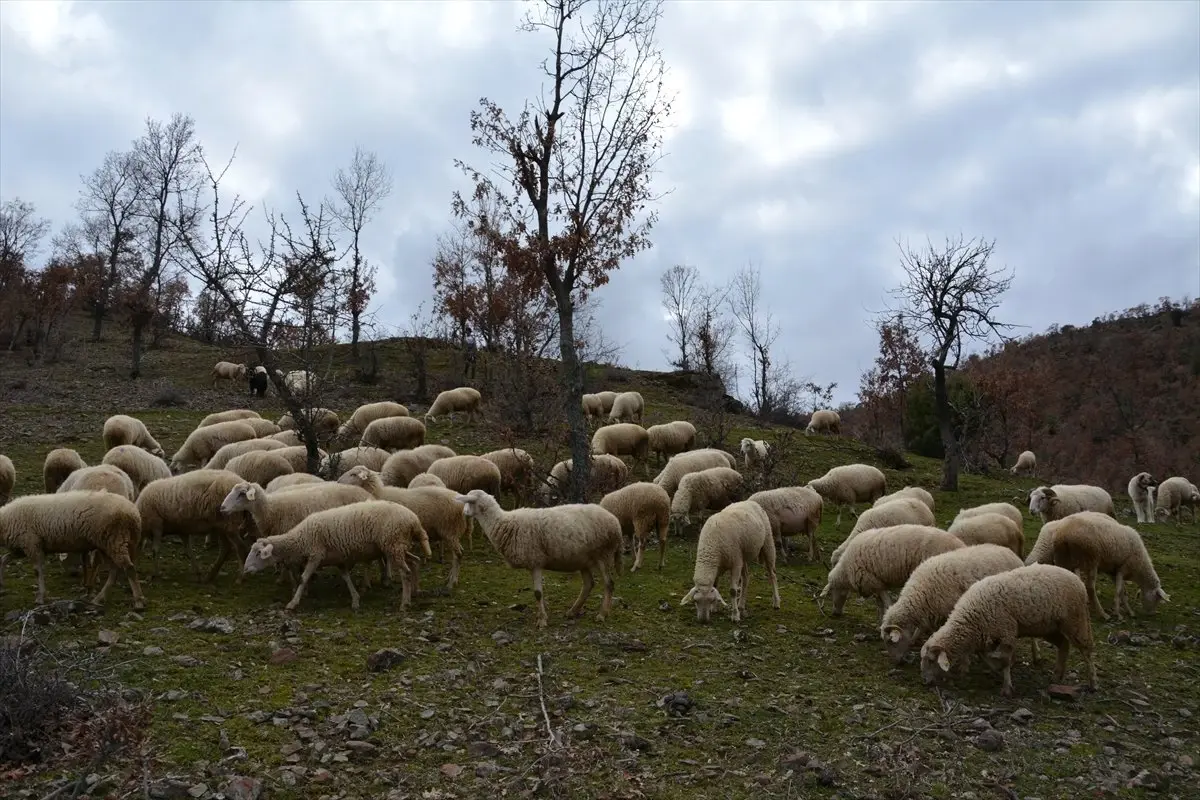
(808, 137)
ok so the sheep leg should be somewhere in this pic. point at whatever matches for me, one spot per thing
(662, 545)
(1089, 581)
(639, 547)
(222, 556)
(156, 546)
(1119, 596)
(539, 597)
(345, 573)
(39, 564)
(1033, 651)
(452, 575)
(588, 582)
(310, 569)
(773, 577)
(735, 589)
(98, 600)
(187, 548)
(129, 571)
(609, 585)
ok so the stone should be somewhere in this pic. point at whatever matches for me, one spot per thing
(1063, 692)
(451, 770)
(1022, 716)
(108, 638)
(284, 655)
(198, 790)
(989, 740)
(186, 661)
(385, 659)
(242, 788)
(152, 651)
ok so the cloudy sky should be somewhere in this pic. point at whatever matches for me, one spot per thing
(808, 136)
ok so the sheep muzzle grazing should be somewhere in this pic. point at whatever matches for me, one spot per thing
(705, 598)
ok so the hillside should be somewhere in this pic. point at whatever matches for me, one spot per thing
(648, 704)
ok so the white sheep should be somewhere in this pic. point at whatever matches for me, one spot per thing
(607, 473)
(262, 427)
(516, 471)
(931, 591)
(8, 478)
(1141, 496)
(335, 465)
(140, 466)
(919, 493)
(278, 512)
(729, 541)
(824, 421)
(342, 537)
(881, 559)
(583, 538)
(1007, 509)
(233, 415)
(623, 439)
(598, 405)
(123, 429)
(754, 452)
(1174, 495)
(793, 511)
(707, 490)
(298, 457)
(232, 450)
(190, 505)
(1042, 551)
(394, 433)
(101, 478)
(74, 522)
(227, 370)
(300, 381)
(1040, 601)
(990, 529)
(403, 466)
(425, 480)
(1060, 500)
(288, 438)
(60, 462)
(692, 461)
(641, 508)
(901, 511)
(324, 421)
(365, 414)
(260, 466)
(671, 438)
(1026, 463)
(203, 443)
(627, 407)
(850, 484)
(464, 473)
(295, 480)
(452, 401)
(1090, 542)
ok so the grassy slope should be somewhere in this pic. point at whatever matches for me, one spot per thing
(785, 681)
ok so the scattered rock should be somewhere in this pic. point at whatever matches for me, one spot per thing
(152, 650)
(385, 659)
(360, 747)
(321, 775)
(1150, 781)
(243, 788)
(486, 769)
(108, 638)
(186, 661)
(757, 744)
(283, 655)
(502, 638)
(1119, 637)
(1186, 762)
(214, 625)
(168, 789)
(483, 749)
(632, 741)
(1063, 692)
(989, 740)
(198, 790)
(664, 606)
(677, 704)
(1022, 716)
(451, 770)
(1183, 712)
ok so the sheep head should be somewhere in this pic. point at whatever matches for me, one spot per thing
(240, 497)
(356, 476)
(1152, 596)
(706, 598)
(261, 556)
(474, 502)
(897, 641)
(935, 663)
(1041, 499)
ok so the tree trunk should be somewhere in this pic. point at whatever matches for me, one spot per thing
(572, 382)
(941, 399)
(139, 326)
(97, 319)
(355, 311)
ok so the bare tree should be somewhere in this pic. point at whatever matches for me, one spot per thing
(580, 160)
(713, 334)
(761, 330)
(21, 231)
(951, 295)
(361, 189)
(681, 291)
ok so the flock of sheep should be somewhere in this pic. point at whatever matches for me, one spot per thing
(387, 497)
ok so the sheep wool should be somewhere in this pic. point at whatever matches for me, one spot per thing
(233, 415)
(1061, 500)
(1089, 542)
(324, 421)
(296, 479)
(1175, 494)
(402, 467)
(692, 461)
(516, 471)
(227, 370)
(1007, 509)
(671, 438)
(622, 439)
(914, 491)
(123, 429)
(297, 456)
(990, 529)
(8, 478)
(452, 401)
(365, 414)
(288, 438)
(754, 452)
(850, 484)
(260, 466)
(608, 473)
(598, 405)
(425, 480)
(190, 505)
(1042, 551)
(729, 541)
(707, 490)
(792, 511)
(203, 443)
(140, 466)
(335, 465)
(901, 511)
(627, 407)
(1026, 463)
(824, 421)
(464, 473)
(59, 463)
(228, 452)
(1041, 600)
(641, 508)
(394, 433)
(101, 478)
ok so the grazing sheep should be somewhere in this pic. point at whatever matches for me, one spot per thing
(365, 414)
(1055, 502)
(850, 484)
(296, 479)
(260, 466)
(452, 401)
(298, 457)
(278, 512)
(671, 438)
(425, 480)
(1090, 542)
(1042, 551)
(627, 407)
(227, 370)
(516, 471)
(901, 511)
(1007, 509)
(990, 529)
(707, 490)
(623, 439)
(288, 438)
(140, 466)
(882, 559)
(123, 429)
(74, 522)
(231, 451)
(583, 538)
(824, 421)
(190, 505)
(754, 452)
(921, 494)
(335, 465)
(597, 406)
(641, 508)
(403, 466)
(608, 473)
(729, 541)
(1026, 463)
(8, 478)
(101, 478)
(692, 461)
(1174, 495)
(262, 427)
(464, 473)
(299, 381)
(934, 587)
(324, 421)
(394, 433)
(59, 463)
(342, 537)
(792, 510)
(233, 415)
(1141, 496)
(1040, 601)
(203, 443)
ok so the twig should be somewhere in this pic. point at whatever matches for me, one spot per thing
(542, 700)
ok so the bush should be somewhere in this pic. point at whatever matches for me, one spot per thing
(892, 458)
(169, 397)
(35, 702)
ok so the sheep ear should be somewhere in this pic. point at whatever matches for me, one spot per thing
(266, 549)
(894, 635)
(687, 598)
(943, 661)
(461, 498)
(250, 493)
(720, 599)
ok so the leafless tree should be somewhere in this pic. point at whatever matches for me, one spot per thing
(681, 290)
(713, 334)
(21, 231)
(761, 330)
(579, 162)
(361, 189)
(950, 296)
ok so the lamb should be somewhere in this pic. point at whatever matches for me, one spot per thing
(990, 529)
(824, 421)
(324, 421)
(101, 478)
(342, 537)
(260, 466)
(452, 401)
(425, 480)
(731, 539)
(333, 466)
(60, 462)
(882, 559)
(1089, 542)
(623, 439)
(1040, 601)
(1007, 509)
(692, 461)
(188, 505)
(1026, 463)
(288, 438)
(123, 429)
(1058, 501)
(627, 406)
(464, 473)
(296, 479)
(140, 466)
(298, 457)
(394, 433)
(792, 510)
(365, 414)
(233, 415)
(1175, 494)
(850, 484)
(583, 538)
(901, 511)
(931, 591)
(671, 438)
(921, 494)
(516, 471)
(608, 473)
(1140, 495)
(203, 443)
(597, 406)
(710, 489)
(227, 370)
(231, 451)
(402, 467)
(754, 452)
(641, 508)
(74, 522)
(8, 478)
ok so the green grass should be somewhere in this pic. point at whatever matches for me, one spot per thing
(782, 681)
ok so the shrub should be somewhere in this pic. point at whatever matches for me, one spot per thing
(169, 397)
